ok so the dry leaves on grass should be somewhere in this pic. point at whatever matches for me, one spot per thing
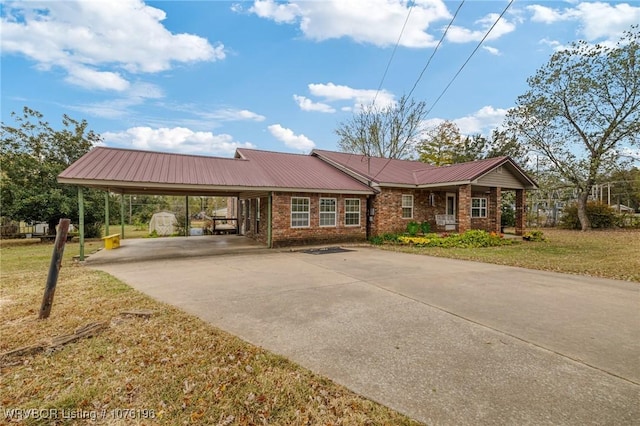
(169, 365)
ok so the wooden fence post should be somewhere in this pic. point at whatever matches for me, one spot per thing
(54, 268)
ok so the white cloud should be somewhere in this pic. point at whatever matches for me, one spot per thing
(545, 14)
(307, 104)
(598, 20)
(331, 92)
(97, 42)
(463, 35)
(231, 114)
(482, 121)
(492, 50)
(121, 107)
(286, 12)
(176, 139)
(290, 139)
(366, 21)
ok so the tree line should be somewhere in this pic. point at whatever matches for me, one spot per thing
(574, 127)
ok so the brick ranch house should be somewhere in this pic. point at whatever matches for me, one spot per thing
(324, 197)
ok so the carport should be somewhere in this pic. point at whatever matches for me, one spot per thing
(260, 179)
(131, 172)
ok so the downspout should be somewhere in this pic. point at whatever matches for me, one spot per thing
(269, 218)
(81, 221)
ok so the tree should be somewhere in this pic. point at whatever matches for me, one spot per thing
(582, 108)
(32, 155)
(389, 131)
(444, 144)
(439, 145)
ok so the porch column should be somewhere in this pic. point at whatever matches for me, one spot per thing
(521, 202)
(464, 208)
(495, 210)
(269, 219)
(81, 221)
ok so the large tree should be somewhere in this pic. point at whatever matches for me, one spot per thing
(439, 144)
(390, 131)
(581, 110)
(444, 144)
(32, 155)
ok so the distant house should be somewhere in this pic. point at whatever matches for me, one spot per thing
(324, 197)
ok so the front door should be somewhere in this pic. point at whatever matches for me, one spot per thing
(450, 212)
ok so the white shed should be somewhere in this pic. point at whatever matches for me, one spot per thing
(164, 223)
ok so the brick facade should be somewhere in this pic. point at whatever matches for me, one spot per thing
(283, 234)
(521, 202)
(464, 208)
(387, 217)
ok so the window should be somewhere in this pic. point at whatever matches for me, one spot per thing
(478, 207)
(299, 212)
(327, 212)
(352, 212)
(407, 206)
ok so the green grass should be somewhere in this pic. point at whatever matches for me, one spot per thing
(171, 365)
(609, 253)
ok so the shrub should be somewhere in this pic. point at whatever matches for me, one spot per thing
(384, 239)
(600, 215)
(533, 236)
(507, 216)
(425, 227)
(412, 228)
(470, 239)
(93, 230)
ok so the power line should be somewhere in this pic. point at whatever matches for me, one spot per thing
(461, 68)
(393, 53)
(436, 49)
(470, 56)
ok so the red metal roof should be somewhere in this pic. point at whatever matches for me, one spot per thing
(119, 168)
(385, 171)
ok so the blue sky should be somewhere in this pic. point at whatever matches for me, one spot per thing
(205, 77)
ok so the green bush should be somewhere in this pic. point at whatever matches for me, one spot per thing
(470, 239)
(600, 215)
(93, 230)
(412, 228)
(533, 236)
(425, 227)
(508, 215)
(384, 239)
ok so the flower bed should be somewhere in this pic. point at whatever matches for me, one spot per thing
(469, 239)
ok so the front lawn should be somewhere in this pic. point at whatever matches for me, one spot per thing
(170, 368)
(603, 253)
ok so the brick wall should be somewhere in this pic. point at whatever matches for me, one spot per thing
(388, 209)
(284, 235)
(491, 223)
(521, 202)
(464, 208)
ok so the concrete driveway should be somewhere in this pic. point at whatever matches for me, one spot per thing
(443, 341)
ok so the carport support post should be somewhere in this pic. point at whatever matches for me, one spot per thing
(106, 213)
(81, 221)
(186, 217)
(122, 216)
